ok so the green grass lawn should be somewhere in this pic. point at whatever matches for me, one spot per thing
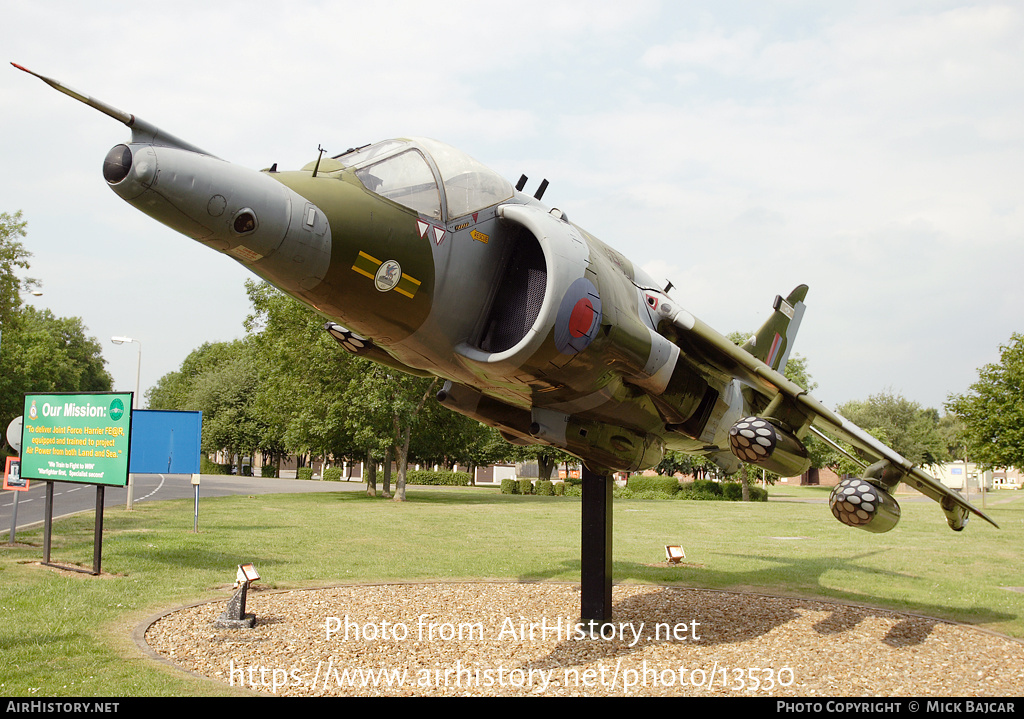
(69, 634)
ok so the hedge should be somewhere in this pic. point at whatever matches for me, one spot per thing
(438, 479)
(544, 487)
(726, 491)
(659, 484)
(208, 467)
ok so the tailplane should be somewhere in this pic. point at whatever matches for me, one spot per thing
(771, 343)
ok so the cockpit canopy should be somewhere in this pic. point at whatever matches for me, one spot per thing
(427, 176)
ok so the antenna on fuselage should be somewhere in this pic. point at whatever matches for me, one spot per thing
(522, 183)
(540, 190)
(315, 169)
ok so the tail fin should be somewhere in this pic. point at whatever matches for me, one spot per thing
(771, 343)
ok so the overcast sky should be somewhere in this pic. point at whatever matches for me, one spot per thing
(872, 150)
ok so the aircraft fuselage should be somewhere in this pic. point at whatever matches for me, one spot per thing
(541, 329)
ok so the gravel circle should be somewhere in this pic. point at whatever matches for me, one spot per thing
(521, 639)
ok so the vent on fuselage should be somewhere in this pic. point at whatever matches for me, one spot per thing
(519, 298)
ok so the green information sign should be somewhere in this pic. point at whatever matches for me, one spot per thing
(77, 437)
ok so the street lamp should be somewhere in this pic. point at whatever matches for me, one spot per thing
(135, 404)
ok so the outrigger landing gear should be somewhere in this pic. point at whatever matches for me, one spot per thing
(596, 549)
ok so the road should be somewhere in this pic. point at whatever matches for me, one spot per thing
(70, 498)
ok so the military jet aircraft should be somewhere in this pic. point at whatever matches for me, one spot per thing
(427, 261)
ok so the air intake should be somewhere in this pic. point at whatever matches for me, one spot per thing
(519, 298)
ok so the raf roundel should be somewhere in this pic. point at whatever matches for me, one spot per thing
(579, 316)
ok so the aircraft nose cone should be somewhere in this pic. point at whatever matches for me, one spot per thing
(117, 164)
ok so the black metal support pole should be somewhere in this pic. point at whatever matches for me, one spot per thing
(596, 560)
(97, 536)
(48, 523)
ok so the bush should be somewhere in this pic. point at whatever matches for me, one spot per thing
(560, 489)
(732, 491)
(208, 467)
(699, 490)
(627, 493)
(268, 470)
(332, 474)
(524, 486)
(546, 488)
(660, 485)
(508, 486)
(438, 479)
(304, 473)
(707, 486)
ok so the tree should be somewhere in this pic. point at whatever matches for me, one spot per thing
(447, 438)
(324, 400)
(225, 395)
(951, 430)
(13, 256)
(992, 410)
(674, 463)
(903, 424)
(39, 352)
(220, 379)
(304, 378)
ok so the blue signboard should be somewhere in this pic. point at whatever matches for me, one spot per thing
(165, 442)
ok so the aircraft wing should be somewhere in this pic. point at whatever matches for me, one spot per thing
(955, 507)
(784, 398)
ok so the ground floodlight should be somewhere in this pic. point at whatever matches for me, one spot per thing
(234, 616)
(247, 573)
(674, 553)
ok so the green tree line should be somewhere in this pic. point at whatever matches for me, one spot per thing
(287, 388)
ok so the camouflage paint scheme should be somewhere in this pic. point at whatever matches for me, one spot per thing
(426, 261)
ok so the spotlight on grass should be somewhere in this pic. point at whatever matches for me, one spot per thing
(674, 553)
(234, 616)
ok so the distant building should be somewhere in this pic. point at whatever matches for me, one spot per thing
(957, 475)
(820, 477)
(1009, 478)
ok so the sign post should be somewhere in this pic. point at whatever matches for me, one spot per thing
(168, 441)
(77, 437)
(14, 481)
